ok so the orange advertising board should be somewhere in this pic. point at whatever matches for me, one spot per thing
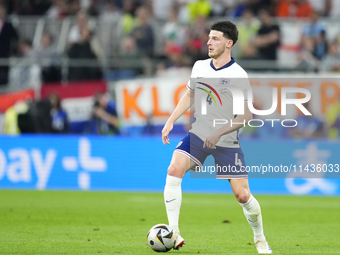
(139, 99)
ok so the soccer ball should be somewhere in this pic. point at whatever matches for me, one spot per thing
(161, 238)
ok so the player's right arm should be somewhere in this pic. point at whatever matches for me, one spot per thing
(184, 104)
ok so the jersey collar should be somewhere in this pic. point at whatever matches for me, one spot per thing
(232, 61)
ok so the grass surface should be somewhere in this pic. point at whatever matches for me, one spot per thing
(54, 222)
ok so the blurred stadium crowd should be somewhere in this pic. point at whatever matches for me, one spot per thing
(275, 35)
(47, 41)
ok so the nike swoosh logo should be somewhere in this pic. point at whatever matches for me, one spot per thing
(168, 201)
(251, 220)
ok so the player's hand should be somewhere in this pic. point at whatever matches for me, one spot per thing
(211, 141)
(165, 132)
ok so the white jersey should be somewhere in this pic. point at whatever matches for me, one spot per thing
(214, 100)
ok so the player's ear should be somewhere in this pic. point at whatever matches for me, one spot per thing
(230, 43)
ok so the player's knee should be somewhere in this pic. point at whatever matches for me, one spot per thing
(176, 170)
(242, 197)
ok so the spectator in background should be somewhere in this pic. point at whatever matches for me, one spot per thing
(128, 50)
(47, 56)
(256, 5)
(331, 63)
(33, 7)
(267, 40)
(25, 72)
(247, 28)
(111, 13)
(59, 122)
(82, 23)
(321, 46)
(196, 45)
(85, 4)
(173, 32)
(143, 33)
(8, 43)
(58, 10)
(104, 116)
(44, 116)
(161, 8)
(148, 4)
(12, 117)
(175, 57)
(183, 11)
(81, 51)
(25, 49)
(12, 6)
(199, 8)
(219, 8)
(90, 6)
(294, 9)
(127, 20)
(236, 8)
(321, 6)
(38, 118)
(314, 27)
(24, 116)
(307, 62)
(107, 27)
(334, 9)
(174, 35)
(74, 7)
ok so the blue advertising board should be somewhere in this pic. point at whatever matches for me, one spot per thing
(140, 164)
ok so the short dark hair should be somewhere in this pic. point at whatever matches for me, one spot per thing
(228, 29)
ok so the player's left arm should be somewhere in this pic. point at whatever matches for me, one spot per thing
(238, 122)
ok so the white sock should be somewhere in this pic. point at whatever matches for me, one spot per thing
(252, 211)
(173, 200)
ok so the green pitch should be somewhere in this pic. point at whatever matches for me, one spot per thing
(54, 222)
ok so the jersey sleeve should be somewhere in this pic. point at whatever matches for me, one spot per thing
(246, 88)
(191, 85)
